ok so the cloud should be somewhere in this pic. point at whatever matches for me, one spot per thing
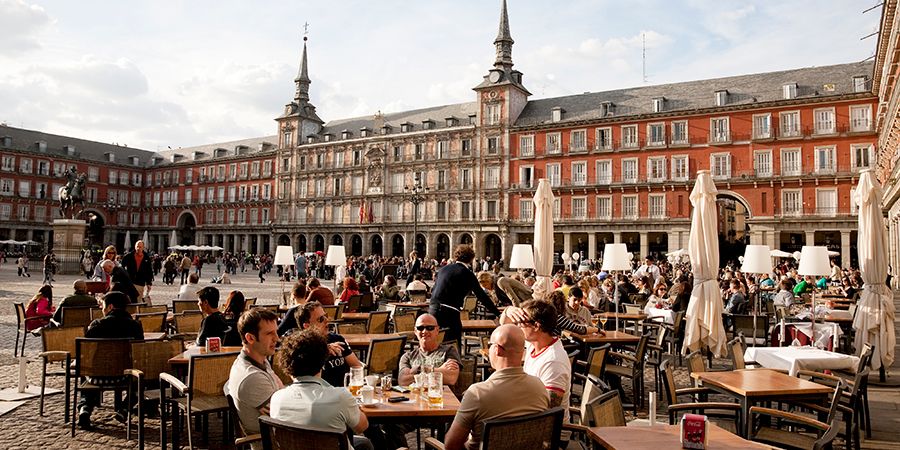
(22, 25)
(117, 79)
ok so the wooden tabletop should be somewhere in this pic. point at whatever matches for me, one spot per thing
(611, 337)
(664, 437)
(362, 341)
(184, 357)
(760, 383)
(354, 316)
(624, 316)
(478, 325)
(415, 408)
(154, 335)
(419, 305)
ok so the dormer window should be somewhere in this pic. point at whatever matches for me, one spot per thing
(860, 84)
(451, 122)
(41, 146)
(69, 149)
(220, 152)
(607, 109)
(311, 139)
(405, 127)
(328, 137)
(386, 129)
(135, 161)
(110, 156)
(659, 104)
(721, 98)
(345, 134)
(7, 141)
(473, 119)
(789, 91)
(198, 156)
(175, 158)
(427, 124)
(365, 132)
(556, 114)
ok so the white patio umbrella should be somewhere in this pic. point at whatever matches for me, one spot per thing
(874, 322)
(704, 326)
(127, 241)
(173, 240)
(780, 254)
(543, 239)
(146, 239)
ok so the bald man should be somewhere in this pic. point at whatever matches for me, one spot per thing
(508, 392)
(79, 298)
(444, 358)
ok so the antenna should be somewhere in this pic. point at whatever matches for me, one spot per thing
(643, 58)
(305, 29)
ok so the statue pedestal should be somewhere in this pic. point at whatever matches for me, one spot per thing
(68, 243)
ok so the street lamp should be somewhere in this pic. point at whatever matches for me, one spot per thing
(416, 196)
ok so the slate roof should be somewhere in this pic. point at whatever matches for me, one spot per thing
(460, 111)
(252, 146)
(26, 140)
(692, 95)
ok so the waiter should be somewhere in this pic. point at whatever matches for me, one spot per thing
(454, 282)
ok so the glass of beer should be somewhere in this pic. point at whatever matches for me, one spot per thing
(435, 389)
(354, 380)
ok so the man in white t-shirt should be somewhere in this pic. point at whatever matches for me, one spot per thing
(189, 291)
(649, 269)
(545, 356)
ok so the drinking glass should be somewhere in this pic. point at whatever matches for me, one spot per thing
(435, 389)
(603, 320)
(386, 386)
(354, 380)
(595, 319)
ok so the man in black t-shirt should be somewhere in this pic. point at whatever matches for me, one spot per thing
(340, 357)
(213, 325)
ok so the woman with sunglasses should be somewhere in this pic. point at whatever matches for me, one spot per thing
(108, 253)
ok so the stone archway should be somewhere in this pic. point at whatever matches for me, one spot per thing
(356, 245)
(397, 245)
(734, 227)
(377, 245)
(186, 227)
(301, 242)
(319, 243)
(442, 249)
(337, 240)
(493, 247)
(282, 240)
(421, 245)
(465, 238)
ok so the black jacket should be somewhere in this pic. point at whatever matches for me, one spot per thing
(143, 275)
(118, 324)
(120, 281)
(454, 282)
(213, 325)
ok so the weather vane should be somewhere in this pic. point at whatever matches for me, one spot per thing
(305, 30)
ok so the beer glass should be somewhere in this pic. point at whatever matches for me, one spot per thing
(354, 380)
(435, 389)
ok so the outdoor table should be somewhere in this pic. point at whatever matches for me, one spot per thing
(362, 341)
(840, 317)
(354, 317)
(415, 409)
(478, 325)
(660, 437)
(608, 337)
(807, 333)
(667, 315)
(752, 386)
(182, 359)
(410, 305)
(794, 359)
(154, 335)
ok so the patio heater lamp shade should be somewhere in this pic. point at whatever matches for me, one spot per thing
(284, 256)
(616, 257)
(336, 256)
(522, 257)
(757, 259)
(814, 261)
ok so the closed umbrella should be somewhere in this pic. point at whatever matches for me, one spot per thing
(146, 239)
(704, 312)
(874, 321)
(173, 240)
(128, 241)
(543, 239)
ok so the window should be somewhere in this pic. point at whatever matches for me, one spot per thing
(659, 104)
(337, 214)
(25, 165)
(680, 132)
(791, 162)
(629, 136)
(492, 114)
(762, 163)
(629, 206)
(825, 160)
(43, 167)
(579, 208)
(9, 164)
(493, 144)
(5, 211)
(41, 190)
(243, 169)
(854, 207)
(553, 174)
(59, 168)
(320, 188)
(557, 210)
(860, 84)
(465, 178)
(419, 152)
(790, 123)
(657, 206)
(607, 109)
(604, 139)
(579, 173)
(267, 168)
(556, 114)
(24, 188)
(604, 171)
(526, 209)
(656, 168)
(23, 213)
(492, 177)
(629, 170)
(466, 147)
(656, 134)
(823, 122)
(356, 183)
(826, 202)
(553, 143)
(526, 177)
(762, 126)
(338, 159)
(578, 141)
(40, 213)
(465, 210)
(441, 210)
(242, 216)
(792, 202)
(789, 91)
(491, 210)
(286, 138)
(254, 169)
(861, 155)
(721, 98)
(680, 168)
(860, 118)
(398, 153)
(604, 207)
(526, 145)
(719, 130)
(6, 186)
(188, 197)
(220, 171)
(443, 149)
(720, 165)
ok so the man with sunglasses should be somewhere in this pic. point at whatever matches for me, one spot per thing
(443, 358)
(340, 357)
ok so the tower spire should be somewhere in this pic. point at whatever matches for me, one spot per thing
(302, 80)
(504, 41)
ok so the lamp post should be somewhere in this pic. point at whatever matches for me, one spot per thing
(416, 196)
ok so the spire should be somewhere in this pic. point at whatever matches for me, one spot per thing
(302, 80)
(504, 41)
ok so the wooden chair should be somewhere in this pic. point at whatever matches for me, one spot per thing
(607, 410)
(593, 367)
(633, 368)
(148, 360)
(152, 309)
(100, 358)
(367, 302)
(804, 432)
(470, 302)
(384, 355)
(202, 395)
(241, 438)
(20, 327)
(732, 410)
(59, 348)
(134, 308)
(656, 353)
(152, 322)
(351, 328)
(530, 432)
(187, 324)
(582, 417)
(378, 321)
(180, 306)
(353, 303)
(736, 350)
(78, 316)
(744, 325)
(278, 435)
(273, 308)
(405, 324)
(333, 312)
(249, 301)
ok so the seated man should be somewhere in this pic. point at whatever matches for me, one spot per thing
(310, 400)
(340, 357)
(319, 293)
(116, 323)
(79, 298)
(213, 324)
(189, 291)
(252, 380)
(289, 322)
(443, 358)
(417, 284)
(508, 392)
(545, 356)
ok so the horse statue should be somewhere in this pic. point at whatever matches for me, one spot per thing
(72, 194)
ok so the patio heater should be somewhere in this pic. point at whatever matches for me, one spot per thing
(616, 257)
(283, 257)
(336, 256)
(758, 260)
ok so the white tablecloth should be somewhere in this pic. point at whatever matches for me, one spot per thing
(794, 359)
(667, 314)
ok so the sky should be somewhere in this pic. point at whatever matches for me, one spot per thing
(155, 74)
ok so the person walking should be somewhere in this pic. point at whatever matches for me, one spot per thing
(454, 282)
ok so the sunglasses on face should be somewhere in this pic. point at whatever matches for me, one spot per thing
(425, 327)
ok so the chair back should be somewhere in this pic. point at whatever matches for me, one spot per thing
(353, 303)
(530, 432)
(280, 435)
(417, 296)
(188, 322)
(249, 301)
(596, 361)
(351, 328)
(770, 308)
(145, 309)
(469, 303)
(152, 357)
(695, 362)
(273, 308)
(384, 355)
(593, 389)
(736, 348)
(378, 321)
(633, 309)
(744, 324)
(679, 323)
(235, 418)
(332, 311)
(668, 382)
(208, 373)
(367, 302)
(102, 357)
(134, 308)
(180, 306)
(20, 313)
(607, 410)
(152, 321)
(466, 378)
(77, 316)
(865, 357)
(405, 323)
(60, 340)
(641, 350)
(781, 313)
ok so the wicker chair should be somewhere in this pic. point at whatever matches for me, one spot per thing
(594, 366)
(20, 327)
(78, 316)
(59, 347)
(134, 308)
(744, 326)
(367, 302)
(278, 435)
(732, 410)
(249, 301)
(241, 439)
(180, 306)
(353, 303)
(633, 369)
(202, 395)
(607, 410)
(377, 323)
(152, 309)
(100, 358)
(148, 360)
(530, 432)
(333, 312)
(351, 328)
(815, 434)
(850, 406)
(187, 324)
(736, 349)
(152, 322)
(582, 417)
(405, 324)
(384, 355)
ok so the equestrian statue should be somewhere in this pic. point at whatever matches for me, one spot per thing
(72, 194)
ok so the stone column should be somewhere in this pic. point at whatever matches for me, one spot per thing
(592, 245)
(68, 238)
(810, 238)
(645, 244)
(567, 243)
(845, 248)
(617, 237)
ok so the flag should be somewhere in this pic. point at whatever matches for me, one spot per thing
(371, 214)
(362, 211)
